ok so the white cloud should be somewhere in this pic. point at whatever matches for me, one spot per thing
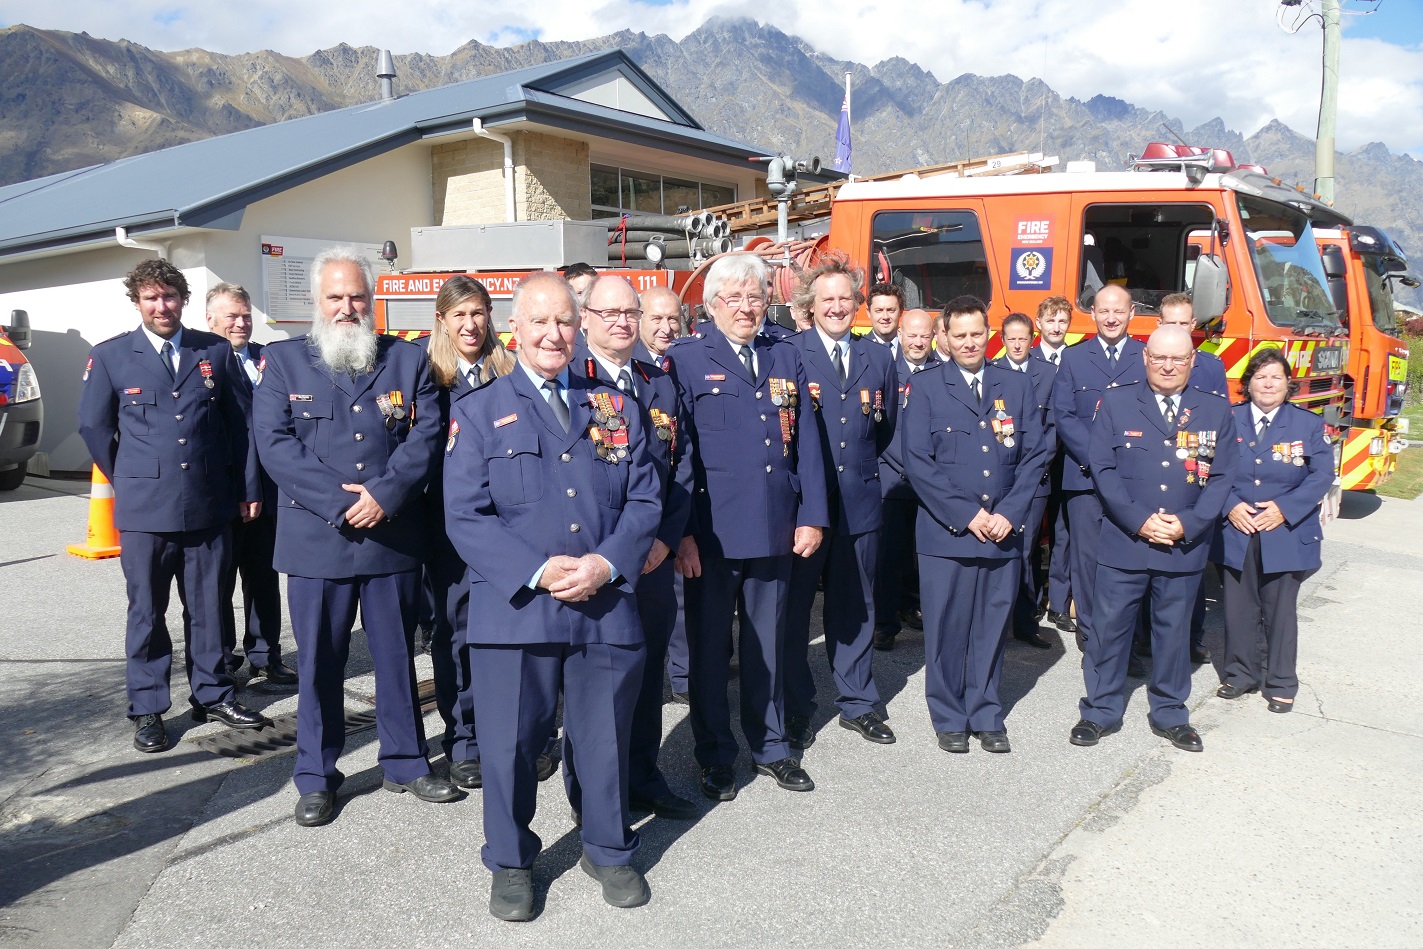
(1196, 61)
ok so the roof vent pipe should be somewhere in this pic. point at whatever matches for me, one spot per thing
(385, 72)
(508, 144)
(121, 235)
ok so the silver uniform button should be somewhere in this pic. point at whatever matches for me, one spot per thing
(840, 468)
(844, 396)
(574, 528)
(768, 469)
(360, 466)
(355, 408)
(768, 443)
(985, 448)
(184, 466)
(508, 451)
(842, 445)
(1126, 444)
(565, 457)
(1257, 482)
(987, 474)
(763, 418)
(716, 391)
(175, 395)
(949, 429)
(178, 418)
(1257, 461)
(360, 437)
(306, 415)
(758, 395)
(1163, 487)
(572, 492)
(982, 424)
(1166, 464)
(985, 497)
(844, 421)
(182, 441)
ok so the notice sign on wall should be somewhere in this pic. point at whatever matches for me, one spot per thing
(286, 274)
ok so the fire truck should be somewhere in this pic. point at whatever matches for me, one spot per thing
(21, 410)
(1361, 263)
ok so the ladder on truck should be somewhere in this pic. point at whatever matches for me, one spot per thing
(814, 202)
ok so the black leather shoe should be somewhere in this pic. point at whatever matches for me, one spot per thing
(149, 735)
(314, 808)
(1182, 736)
(798, 733)
(1275, 705)
(1142, 647)
(428, 787)
(511, 895)
(719, 783)
(667, 806)
(623, 886)
(1229, 691)
(467, 774)
(1062, 621)
(995, 741)
(231, 714)
(547, 766)
(1136, 667)
(788, 774)
(884, 639)
(870, 727)
(954, 742)
(913, 618)
(1085, 734)
(1200, 655)
(1081, 638)
(1035, 640)
(274, 673)
(681, 698)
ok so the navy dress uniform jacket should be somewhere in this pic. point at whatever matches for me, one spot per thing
(1042, 374)
(747, 503)
(958, 467)
(1082, 379)
(894, 483)
(519, 490)
(1208, 374)
(851, 441)
(317, 430)
(1297, 489)
(1137, 472)
(177, 452)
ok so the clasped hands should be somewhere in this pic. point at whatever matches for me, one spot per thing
(988, 527)
(1163, 529)
(574, 579)
(1263, 516)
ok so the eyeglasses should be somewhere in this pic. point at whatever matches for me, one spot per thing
(613, 316)
(1160, 361)
(736, 301)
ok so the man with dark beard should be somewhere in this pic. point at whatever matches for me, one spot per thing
(347, 426)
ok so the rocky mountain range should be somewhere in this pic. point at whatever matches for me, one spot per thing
(73, 100)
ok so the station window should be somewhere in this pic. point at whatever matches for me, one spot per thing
(1148, 248)
(933, 256)
(623, 190)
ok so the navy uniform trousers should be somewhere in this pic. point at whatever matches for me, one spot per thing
(896, 572)
(1024, 620)
(1083, 376)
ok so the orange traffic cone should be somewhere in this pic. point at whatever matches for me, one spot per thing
(103, 539)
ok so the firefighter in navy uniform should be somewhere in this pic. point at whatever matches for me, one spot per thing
(347, 426)
(1162, 464)
(974, 449)
(164, 418)
(553, 500)
(852, 389)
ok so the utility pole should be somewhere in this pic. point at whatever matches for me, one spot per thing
(1328, 104)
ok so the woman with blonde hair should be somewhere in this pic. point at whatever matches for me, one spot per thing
(464, 353)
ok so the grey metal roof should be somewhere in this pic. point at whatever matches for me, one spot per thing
(208, 183)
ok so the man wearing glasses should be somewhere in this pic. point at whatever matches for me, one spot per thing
(1089, 369)
(1162, 455)
(759, 501)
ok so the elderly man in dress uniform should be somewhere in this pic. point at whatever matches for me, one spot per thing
(852, 387)
(974, 449)
(553, 500)
(610, 330)
(897, 569)
(164, 418)
(1020, 356)
(1160, 462)
(760, 499)
(347, 426)
(1088, 369)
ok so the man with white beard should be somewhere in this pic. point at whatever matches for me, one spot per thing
(347, 426)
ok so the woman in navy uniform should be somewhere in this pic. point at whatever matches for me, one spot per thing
(165, 421)
(553, 504)
(854, 404)
(464, 354)
(974, 450)
(1272, 530)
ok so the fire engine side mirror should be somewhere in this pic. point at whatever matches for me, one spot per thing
(1335, 268)
(18, 329)
(1208, 289)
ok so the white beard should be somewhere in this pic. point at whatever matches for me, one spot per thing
(345, 347)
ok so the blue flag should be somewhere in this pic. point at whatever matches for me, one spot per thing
(842, 138)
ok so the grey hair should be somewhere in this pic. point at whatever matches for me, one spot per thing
(235, 290)
(538, 278)
(734, 268)
(344, 254)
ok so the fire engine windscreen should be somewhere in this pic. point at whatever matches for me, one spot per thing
(1286, 258)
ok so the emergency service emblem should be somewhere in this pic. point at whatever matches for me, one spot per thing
(1030, 268)
(454, 433)
(87, 367)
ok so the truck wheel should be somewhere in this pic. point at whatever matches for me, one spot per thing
(12, 479)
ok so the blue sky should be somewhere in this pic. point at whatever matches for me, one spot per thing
(1194, 60)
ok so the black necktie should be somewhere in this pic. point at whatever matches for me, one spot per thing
(1112, 357)
(977, 392)
(839, 360)
(625, 383)
(473, 377)
(1053, 359)
(168, 359)
(555, 402)
(748, 359)
(1264, 424)
(1170, 410)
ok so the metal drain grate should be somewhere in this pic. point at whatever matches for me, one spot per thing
(280, 736)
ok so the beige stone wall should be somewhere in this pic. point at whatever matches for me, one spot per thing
(551, 180)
